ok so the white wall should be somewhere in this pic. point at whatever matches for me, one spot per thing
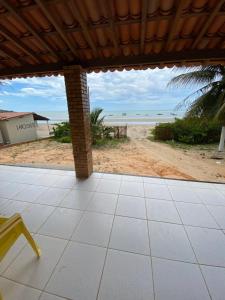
(1, 138)
(18, 130)
(4, 131)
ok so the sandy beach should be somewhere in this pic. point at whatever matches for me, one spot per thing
(139, 156)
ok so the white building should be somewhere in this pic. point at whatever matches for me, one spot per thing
(17, 127)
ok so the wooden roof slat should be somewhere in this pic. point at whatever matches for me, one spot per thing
(6, 52)
(207, 23)
(108, 7)
(84, 26)
(27, 25)
(180, 5)
(107, 38)
(19, 43)
(158, 17)
(186, 14)
(143, 23)
(60, 31)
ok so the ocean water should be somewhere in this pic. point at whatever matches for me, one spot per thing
(134, 117)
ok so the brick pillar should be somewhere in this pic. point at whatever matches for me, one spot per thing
(79, 117)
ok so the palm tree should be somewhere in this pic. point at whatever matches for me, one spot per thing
(208, 101)
(96, 123)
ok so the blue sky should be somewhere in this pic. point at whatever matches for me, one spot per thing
(113, 91)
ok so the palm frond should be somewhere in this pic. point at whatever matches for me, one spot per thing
(195, 77)
(206, 105)
(209, 100)
(189, 99)
(95, 116)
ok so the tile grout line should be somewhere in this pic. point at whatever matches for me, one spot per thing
(107, 249)
(211, 214)
(66, 247)
(31, 287)
(64, 250)
(110, 235)
(149, 242)
(199, 267)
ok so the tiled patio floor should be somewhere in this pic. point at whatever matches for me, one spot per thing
(113, 237)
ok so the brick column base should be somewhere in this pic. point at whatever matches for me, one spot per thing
(79, 117)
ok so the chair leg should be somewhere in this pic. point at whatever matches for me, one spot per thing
(30, 240)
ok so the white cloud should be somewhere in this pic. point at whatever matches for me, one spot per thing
(51, 88)
(140, 88)
(135, 87)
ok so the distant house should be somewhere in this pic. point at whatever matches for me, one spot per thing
(17, 127)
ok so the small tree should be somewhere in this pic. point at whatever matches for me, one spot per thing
(96, 124)
(98, 129)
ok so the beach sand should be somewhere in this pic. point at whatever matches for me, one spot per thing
(139, 156)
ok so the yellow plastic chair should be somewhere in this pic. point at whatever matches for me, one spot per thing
(10, 229)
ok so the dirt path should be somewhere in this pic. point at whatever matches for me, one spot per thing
(139, 156)
(191, 163)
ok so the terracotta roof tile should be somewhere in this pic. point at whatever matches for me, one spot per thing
(99, 30)
(11, 115)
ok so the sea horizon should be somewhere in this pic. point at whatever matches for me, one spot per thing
(123, 116)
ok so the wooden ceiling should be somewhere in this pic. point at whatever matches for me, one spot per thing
(40, 37)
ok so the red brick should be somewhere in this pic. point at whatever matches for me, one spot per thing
(79, 116)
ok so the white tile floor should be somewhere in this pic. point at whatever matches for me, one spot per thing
(113, 237)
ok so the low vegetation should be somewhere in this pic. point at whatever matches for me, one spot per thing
(62, 132)
(188, 131)
(102, 135)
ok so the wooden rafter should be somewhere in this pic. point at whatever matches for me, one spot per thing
(143, 23)
(27, 25)
(159, 17)
(5, 52)
(84, 26)
(19, 43)
(176, 19)
(207, 23)
(59, 30)
(108, 8)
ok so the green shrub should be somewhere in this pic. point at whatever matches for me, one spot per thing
(189, 131)
(64, 139)
(163, 132)
(61, 130)
(100, 133)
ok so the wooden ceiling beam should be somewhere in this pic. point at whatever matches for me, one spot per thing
(27, 25)
(156, 59)
(175, 21)
(31, 70)
(84, 26)
(143, 24)
(59, 30)
(193, 56)
(208, 22)
(18, 42)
